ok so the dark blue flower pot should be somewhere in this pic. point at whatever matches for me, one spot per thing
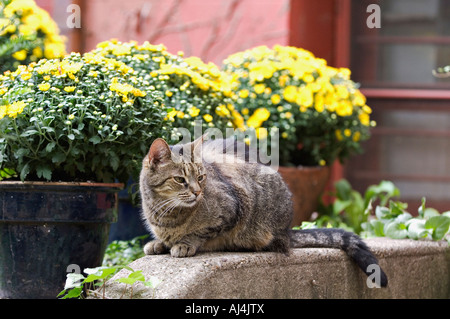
(45, 227)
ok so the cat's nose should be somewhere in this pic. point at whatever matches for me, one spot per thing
(197, 193)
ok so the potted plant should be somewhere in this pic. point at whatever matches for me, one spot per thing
(27, 33)
(318, 111)
(194, 93)
(72, 131)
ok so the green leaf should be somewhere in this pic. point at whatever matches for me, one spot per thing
(430, 212)
(343, 189)
(44, 172)
(71, 137)
(377, 227)
(73, 293)
(95, 139)
(396, 230)
(132, 278)
(28, 133)
(99, 273)
(50, 146)
(24, 172)
(58, 158)
(440, 226)
(421, 209)
(416, 228)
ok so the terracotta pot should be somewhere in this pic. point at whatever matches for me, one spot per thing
(306, 185)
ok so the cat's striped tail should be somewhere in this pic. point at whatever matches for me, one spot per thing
(338, 238)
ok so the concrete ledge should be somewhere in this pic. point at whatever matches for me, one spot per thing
(416, 269)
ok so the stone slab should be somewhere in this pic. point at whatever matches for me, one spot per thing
(416, 269)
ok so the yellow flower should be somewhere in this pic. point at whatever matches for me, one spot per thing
(194, 111)
(244, 111)
(275, 99)
(243, 93)
(261, 133)
(207, 117)
(44, 86)
(259, 88)
(359, 99)
(15, 108)
(20, 55)
(222, 111)
(344, 108)
(364, 118)
(124, 89)
(288, 115)
(180, 114)
(347, 132)
(3, 110)
(284, 135)
(26, 76)
(258, 117)
(322, 162)
(356, 137)
(341, 91)
(305, 97)
(69, 89)
(339, 136)
(290, 93)
(169, 93)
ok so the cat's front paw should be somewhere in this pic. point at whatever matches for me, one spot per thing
(182, 250)
(155, 247)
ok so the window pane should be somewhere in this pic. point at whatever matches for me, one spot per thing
(414, 40)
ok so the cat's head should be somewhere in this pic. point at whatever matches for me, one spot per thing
(174, 176)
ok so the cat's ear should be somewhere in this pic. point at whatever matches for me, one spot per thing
(199, 141)
(159, 152)
(196, 149)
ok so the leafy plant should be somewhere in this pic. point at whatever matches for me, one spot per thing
(196, 92)
(123, 252)
(350, 209)
(80, 286)
(81, 118)
(395, 222)
(353, 211)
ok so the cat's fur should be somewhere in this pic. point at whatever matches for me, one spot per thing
(221, 202)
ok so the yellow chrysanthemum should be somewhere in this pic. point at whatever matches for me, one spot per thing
(15, 108)
(44, 86)
(208, 118)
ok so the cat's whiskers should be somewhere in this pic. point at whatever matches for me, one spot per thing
(162, 204)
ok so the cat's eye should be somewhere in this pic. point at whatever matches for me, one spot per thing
(179, 179)
(201, 178)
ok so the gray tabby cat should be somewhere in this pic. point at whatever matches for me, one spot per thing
(216, 200)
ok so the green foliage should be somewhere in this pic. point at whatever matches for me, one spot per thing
(123, 252)
(395, 222)
(354, 211)
(82, 118)
(350, 208)
(80, 286)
